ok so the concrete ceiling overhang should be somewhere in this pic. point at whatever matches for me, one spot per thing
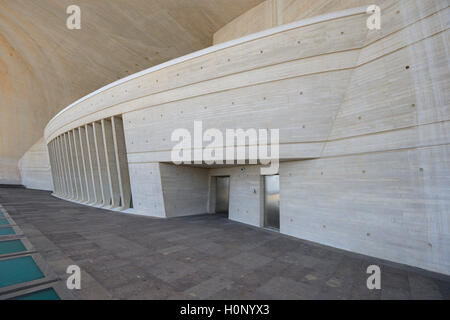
(44, 66)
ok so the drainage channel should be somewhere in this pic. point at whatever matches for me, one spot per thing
(24, 275)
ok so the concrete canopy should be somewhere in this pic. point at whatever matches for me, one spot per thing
(44, 66)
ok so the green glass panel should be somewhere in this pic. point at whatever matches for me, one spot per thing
(18, 270)
(12, 246)
(6, 231)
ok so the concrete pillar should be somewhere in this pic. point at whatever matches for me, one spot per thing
(93, 162)
(82, 196)
(121, 162)
(51, 156)
(86, 165)
(68, 167)
(73, 166)
(101, 160)
(111, 164)
(65, 182)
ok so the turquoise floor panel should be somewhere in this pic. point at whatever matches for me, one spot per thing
(47, 294)
(11, 246)
(6, 231)
(18, 270)
(3, 222)
(1, 215)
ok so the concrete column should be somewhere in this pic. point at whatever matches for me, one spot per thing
(86, 166)
(68, 165)
(79, 166)
(111, 164)
(51, 156)
(101, 160)
(59, 188)
(65, 182)
(73, 166)
(93, 162)
(121, 162)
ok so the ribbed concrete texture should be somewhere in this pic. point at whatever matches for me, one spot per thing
(363, 118)
(200, 257)
(35, 168)
(44, 66)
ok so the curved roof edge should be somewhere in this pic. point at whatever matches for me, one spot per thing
(215, 48)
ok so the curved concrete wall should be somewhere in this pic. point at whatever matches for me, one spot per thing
(272, 13)
(44, 66)
(363, 118)
(35, 169)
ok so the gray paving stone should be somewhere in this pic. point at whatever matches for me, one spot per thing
(208, 288)
(287, 289)
(171, 271)
(201, 257)
(250, 260)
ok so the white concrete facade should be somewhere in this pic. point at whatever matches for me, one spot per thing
(364, 132)
(35, 168)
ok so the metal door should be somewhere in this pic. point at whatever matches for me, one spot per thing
(222, 194)
(272, 202)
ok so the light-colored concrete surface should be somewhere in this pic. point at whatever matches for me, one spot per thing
(147, 200)
(246, 192)
(272, 13)
(185, 189)
(44, 66)
(34, 166)
(363, 118)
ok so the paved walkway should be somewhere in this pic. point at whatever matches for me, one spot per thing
(204, 257)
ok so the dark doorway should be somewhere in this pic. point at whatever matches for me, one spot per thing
(222, 194)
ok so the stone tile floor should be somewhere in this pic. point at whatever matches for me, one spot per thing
(203, 257)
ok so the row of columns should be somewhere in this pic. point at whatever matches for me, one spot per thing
(89, 165)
